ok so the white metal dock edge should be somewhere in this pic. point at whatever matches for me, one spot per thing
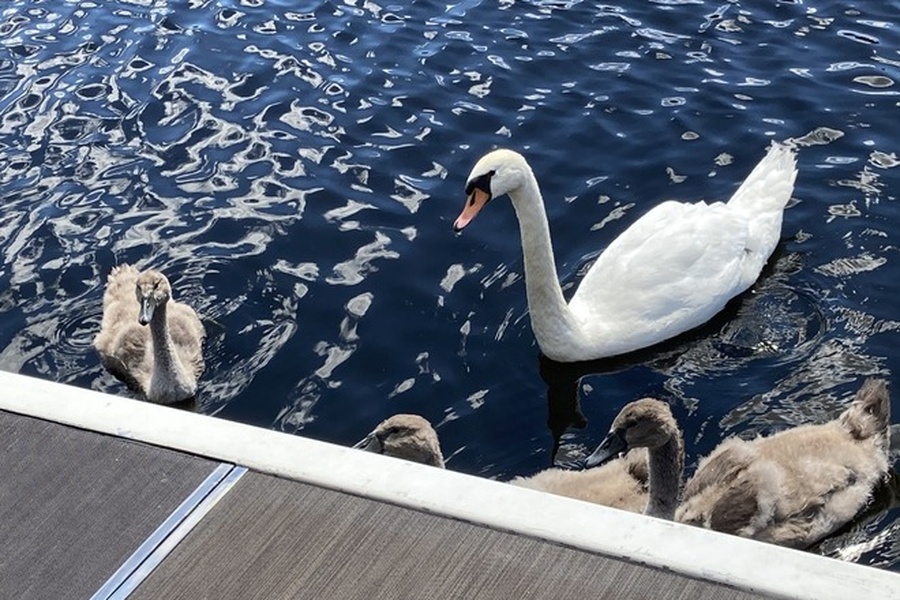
(708, 555)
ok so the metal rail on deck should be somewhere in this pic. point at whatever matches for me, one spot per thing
(174, 529)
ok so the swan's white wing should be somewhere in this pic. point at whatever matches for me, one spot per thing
(672, 270)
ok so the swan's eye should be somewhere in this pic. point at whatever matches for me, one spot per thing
(482, 182)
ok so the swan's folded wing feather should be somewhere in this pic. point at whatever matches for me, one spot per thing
(728, 492)
(670, 271)
(736, 508)
(821, 462)
(725, 463)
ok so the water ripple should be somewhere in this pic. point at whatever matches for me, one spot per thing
(295, 169)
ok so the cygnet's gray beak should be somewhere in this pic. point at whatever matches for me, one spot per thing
(611, 446)
(370, 443)
(146, 311)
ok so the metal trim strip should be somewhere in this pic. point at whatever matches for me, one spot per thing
(175, 528)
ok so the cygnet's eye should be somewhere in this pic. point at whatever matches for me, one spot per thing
(389, 432)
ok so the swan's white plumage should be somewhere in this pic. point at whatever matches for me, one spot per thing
(670, 271)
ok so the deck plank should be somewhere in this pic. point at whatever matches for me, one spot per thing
(271, 538)
(75, 504)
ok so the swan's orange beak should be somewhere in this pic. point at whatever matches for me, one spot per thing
(477, 199)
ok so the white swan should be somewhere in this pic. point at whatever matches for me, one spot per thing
(164, 362)
(671, 271)
(405, 436)
(792, 488)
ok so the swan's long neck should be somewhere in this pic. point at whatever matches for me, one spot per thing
(554, 325)
(169, 378)
(164, 358)
(666, 464)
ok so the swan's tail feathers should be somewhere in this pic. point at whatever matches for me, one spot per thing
(771, 183)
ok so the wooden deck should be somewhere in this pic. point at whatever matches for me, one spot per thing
(87, 510)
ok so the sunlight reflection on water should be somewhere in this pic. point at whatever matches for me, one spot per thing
(295, 170)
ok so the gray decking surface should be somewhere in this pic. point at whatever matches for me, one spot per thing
(271, 538)
(74, 505)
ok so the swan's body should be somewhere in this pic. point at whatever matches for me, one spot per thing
(792, 488)
(162, 361)
(405, 436)
(670, 271)
(621, 483)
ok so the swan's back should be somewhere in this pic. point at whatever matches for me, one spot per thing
(120, 305)
(621, 483)
(795, 487)
(672, 270)
(680, 263)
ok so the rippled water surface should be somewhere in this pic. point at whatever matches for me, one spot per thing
(295, 168)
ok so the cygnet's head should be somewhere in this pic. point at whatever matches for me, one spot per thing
(152, 290)
(496, 173)
(870, 413)
(645, 423)
(405, 436)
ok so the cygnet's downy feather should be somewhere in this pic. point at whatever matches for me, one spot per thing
(147, 339)
(792, 488)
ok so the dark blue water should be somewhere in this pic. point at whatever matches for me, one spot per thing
(295, 168)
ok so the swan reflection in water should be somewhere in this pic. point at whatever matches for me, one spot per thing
(563, 380)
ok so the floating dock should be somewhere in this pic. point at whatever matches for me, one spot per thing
(108, 498)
